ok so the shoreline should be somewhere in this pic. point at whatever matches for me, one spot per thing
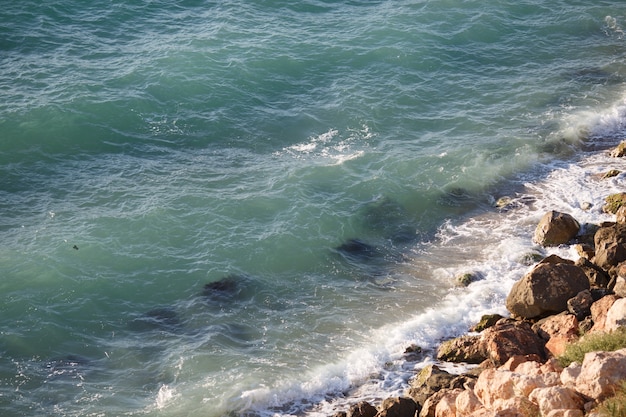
(465, 344)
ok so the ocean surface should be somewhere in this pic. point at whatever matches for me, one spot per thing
(252, 208)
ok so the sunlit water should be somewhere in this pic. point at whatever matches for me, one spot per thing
(253, 208)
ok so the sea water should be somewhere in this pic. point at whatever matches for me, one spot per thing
(252, 208)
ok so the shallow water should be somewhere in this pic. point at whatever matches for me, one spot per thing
(231, 208)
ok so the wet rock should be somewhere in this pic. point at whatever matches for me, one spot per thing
(466, 278)
(486, 321)
(362, 409)
(614, 202)
(507, 339)
(556, 228)
(229, 285)
(611, 173)
(398, 407)
(413, 352)
(546, 289)
(357, 249)
(619, 150)
(160, 318)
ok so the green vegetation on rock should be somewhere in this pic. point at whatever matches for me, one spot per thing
(605, 342)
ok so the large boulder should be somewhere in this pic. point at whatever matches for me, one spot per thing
(546, 289)
(558, 331)
(601, 374)
(511, 338)
(599, 311)
(556, 228)
(614, 202)
(556, 398)
(610, 245)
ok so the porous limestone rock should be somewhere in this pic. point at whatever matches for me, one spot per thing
(616, 316)
(558, 331)
(599, 310)
(601, 373)
(511, 338)
(556, 398)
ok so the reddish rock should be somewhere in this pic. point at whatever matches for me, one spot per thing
(620, 215)
(467, 403)
(507, 339)
(397, 407)
(599, 310)
(430, 405)
(446, 407)
(516, 360)
(429, 380)
(601, 374)
(546, 289)
(558, 330)
(556, 228)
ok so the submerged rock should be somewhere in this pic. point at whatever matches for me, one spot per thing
(160, 318)
(614, 202)
(355, 248)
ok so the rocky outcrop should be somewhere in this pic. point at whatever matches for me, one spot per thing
(601, 374)
(398, 407)
(610, 246)
(556, 228)
(546, 290)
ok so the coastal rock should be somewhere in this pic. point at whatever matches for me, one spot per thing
(596, 275)
(599, 310)
(485, 322)
(616, 316)
(508, 339)
(517, 360)
(619, 150)
(565, 413)
(429, 408)
(398, 407)
(570, 374)
(362, 409)
(430, 380)
(611, 173)
(614, 202)
(500, 390)
(620, 286)
(620, 215)
(610, 244)
(467, 403)
(556, 228)
(584, 250)
(556, 398)
(446, 407)
(580, 305)
(558, 331)
(546, 289)
(601, 373)
(467, 348)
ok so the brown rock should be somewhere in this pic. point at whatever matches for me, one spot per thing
(500, 390)
(620, 286)
(558, 330)
(362, 409)
(580, 305)
(611, 173)
(430, 380)
(485, 322)
(614, 202)
(610, 244)
(596, 275)
(584, 250)
(619, 150)
(565, 413)
(546, 289)
(620, 215)
(556, 228)
(516, 360)
(601, 373)
(599, 310)
(398, 407)
(507, 339)
(556, 398)
(466, 348)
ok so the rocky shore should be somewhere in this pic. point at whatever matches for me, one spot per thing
(516, 363)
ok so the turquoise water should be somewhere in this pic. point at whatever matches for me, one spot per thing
(149, 148)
